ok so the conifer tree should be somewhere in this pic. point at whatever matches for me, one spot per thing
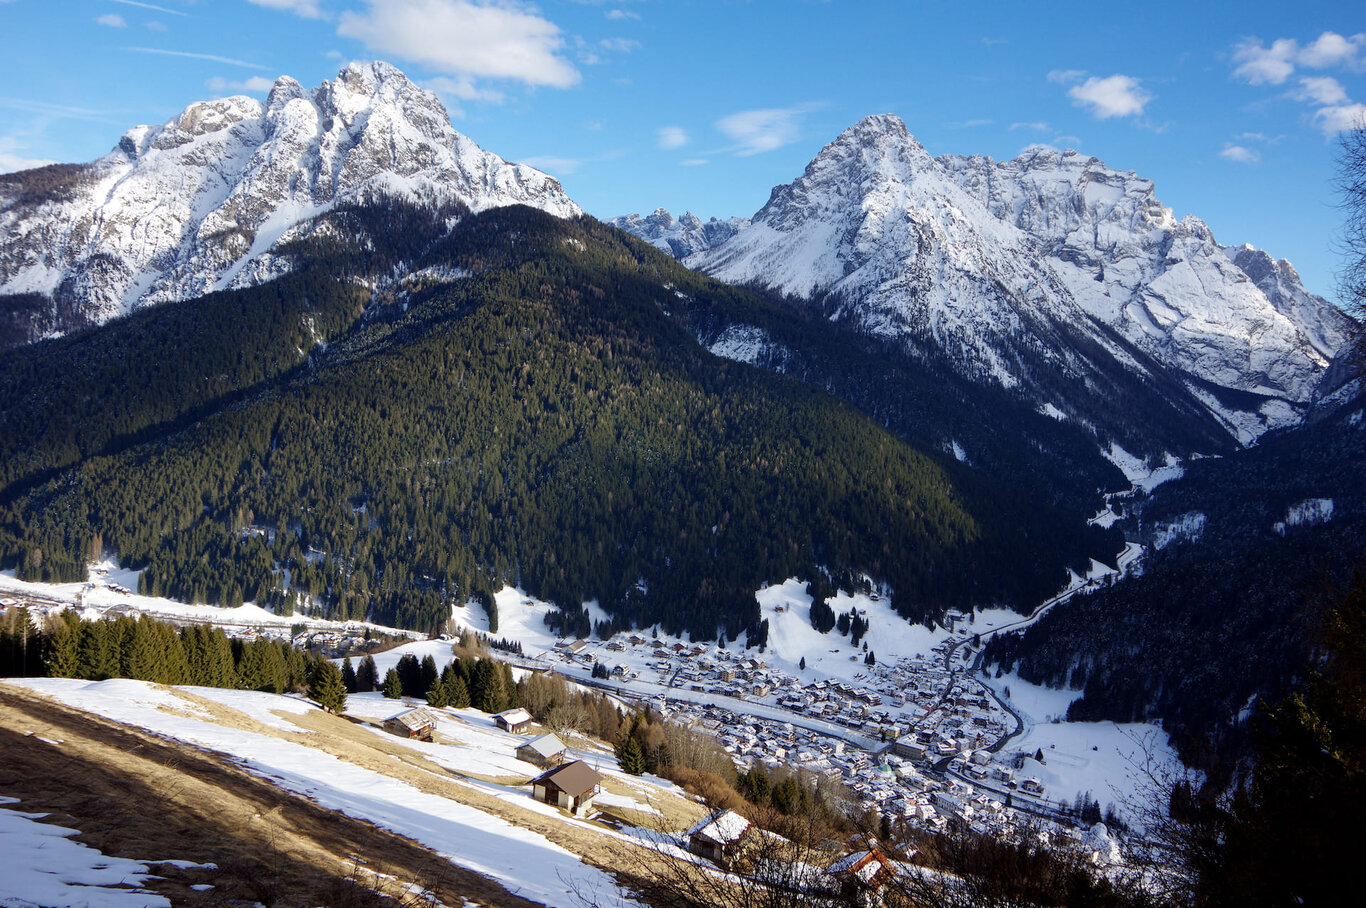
(393, 687)
(325, 686)
(348, 675)
(457, 694)
(367, 679)
(632, 757)
(429, 674)
(63, 656)
(436, 697)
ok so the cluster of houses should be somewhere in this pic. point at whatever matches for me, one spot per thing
(568, 784)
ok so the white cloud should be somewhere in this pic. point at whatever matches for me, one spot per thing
(307, 9)
(1063, 76)
(1260, 65)
(111, 20)
(193, 56)
(1032, 126)
(620, 45)
(1340, 118)
(156, 26)
(757, 131)
(1321, 91)
(694, 162)
(255, 85)
(465, 37)
(1241, 154)
(1331, 49)
(619, 14)
(462, 87)
(153, 7)
(552, 164)
(1112, 96)
(10, 162)
(671, 137)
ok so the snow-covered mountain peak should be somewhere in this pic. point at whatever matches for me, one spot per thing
(198, 203)
(682, 236)
(999, 263)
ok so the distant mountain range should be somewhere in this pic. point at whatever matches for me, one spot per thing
(1049, 275)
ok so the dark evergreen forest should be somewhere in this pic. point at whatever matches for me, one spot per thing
(1213, 624)
(548, 420)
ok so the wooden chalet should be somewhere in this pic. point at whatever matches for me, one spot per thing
(513, 720)
(545, 751)
(858, 878)
(572, 786)
(412, 723)
(718, 837)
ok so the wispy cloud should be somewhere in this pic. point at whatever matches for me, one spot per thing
(694, 162)
(463, 88)
(1241, 153)
(1031, 125)
(254, 84)
(1064, 76)
(111, 20)
(1111, 96)
(153, 7)
(307, 9)
(618, 15)
(57, 111)
(213, 58)
(10, 162)
(669, 137)
(970, 124)
(554, 164)
(488, 39)
(758, 131)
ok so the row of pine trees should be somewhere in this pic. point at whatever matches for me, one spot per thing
(144, 649)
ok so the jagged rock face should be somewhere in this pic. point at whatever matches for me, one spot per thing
(683, 236)
(1052, 253)
(198, 203)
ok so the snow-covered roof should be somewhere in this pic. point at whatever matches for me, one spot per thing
(514, 716)
(414, 718)
(545, 745)
(722, 827)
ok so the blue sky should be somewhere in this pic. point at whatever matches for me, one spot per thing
(1231, 108)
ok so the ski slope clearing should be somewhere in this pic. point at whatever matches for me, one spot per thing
(400, 800)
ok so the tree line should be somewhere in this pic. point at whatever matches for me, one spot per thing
(65, 645)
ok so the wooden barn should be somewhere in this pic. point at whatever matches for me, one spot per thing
(412, 723)
(513, 720)
(571, 786)
(718, 836)
(545, 751)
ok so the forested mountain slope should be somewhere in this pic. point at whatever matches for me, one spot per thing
(1243, 551)
(547, 420)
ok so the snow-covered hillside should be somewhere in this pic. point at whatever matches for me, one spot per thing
(197, 203)
(1049, 266)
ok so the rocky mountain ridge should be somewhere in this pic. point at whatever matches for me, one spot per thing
(200, 203)
(1038, 274)
(682, 236)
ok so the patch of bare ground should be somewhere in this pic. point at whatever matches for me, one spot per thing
(137, 796)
